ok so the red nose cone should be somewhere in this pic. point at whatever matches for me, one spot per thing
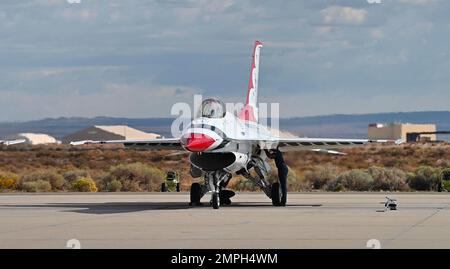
(199, 142)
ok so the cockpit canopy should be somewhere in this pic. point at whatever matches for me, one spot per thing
(212, 108)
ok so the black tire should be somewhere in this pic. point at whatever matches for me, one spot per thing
(225, 196)
(215, 200)
(196, 193)
(178, 187)
(276, 194)
(163, 187)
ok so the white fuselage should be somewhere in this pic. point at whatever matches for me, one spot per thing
(230, 135)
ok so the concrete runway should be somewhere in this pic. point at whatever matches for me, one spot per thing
(156, 220)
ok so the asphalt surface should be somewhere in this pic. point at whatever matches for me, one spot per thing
(156, 220)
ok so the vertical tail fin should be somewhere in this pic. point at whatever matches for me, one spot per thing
(250, 110)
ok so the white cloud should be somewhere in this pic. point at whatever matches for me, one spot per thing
(48, 2)
(60, 71)
(79, 15)
(321, 30)
(344, 15)
(118, 100)
(58, 58)
(419, 2)
(158, 91)
(376, 33)
(203, 10)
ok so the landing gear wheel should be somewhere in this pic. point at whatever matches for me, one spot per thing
(163, 187)
(225, 201)
(225, 196)
(215, 200)
(196, 194)
(276, 194)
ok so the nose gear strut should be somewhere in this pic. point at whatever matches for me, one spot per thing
(214, 182)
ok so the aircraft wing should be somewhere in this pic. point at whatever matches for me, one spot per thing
(314, 144)
(157, 143)
(327, 151)
(12, 142)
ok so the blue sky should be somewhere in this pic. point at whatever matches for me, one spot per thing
(136, 58)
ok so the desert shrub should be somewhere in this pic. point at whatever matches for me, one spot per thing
(446, 174)
(114, 186)
(243, 184)
(135, 177)
(321, 175)
(97, 175)
(71, 176)
(36, 186)
(334, 185)
(446, 185)
(356, 180)
(388, 179)
(55, 180)
(84, 184)
(425, 178)
(353, 180)
(297, 182)
(8, 181)
(134, 186)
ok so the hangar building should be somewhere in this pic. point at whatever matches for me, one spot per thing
(35, 139)
(404, 131)
(109, 132)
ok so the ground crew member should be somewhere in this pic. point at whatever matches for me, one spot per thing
(282, 172)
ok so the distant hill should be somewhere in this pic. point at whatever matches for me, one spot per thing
(60, 127)
(356, 125)
(351, 126)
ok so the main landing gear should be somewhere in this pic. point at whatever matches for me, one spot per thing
(277, 192)
(196, 194)
(278, 196)
(215, 181)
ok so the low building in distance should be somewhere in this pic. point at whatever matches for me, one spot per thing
(405, 131)
(109, 132)
(35, 139)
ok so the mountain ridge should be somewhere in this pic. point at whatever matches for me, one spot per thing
(334, 125)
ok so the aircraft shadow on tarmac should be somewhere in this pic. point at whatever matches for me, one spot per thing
(128, 207)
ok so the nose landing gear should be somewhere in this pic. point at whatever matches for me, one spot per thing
(215, 200)
(214, 182)
(217, 180)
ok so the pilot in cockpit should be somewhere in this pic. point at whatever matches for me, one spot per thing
(212, 108)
